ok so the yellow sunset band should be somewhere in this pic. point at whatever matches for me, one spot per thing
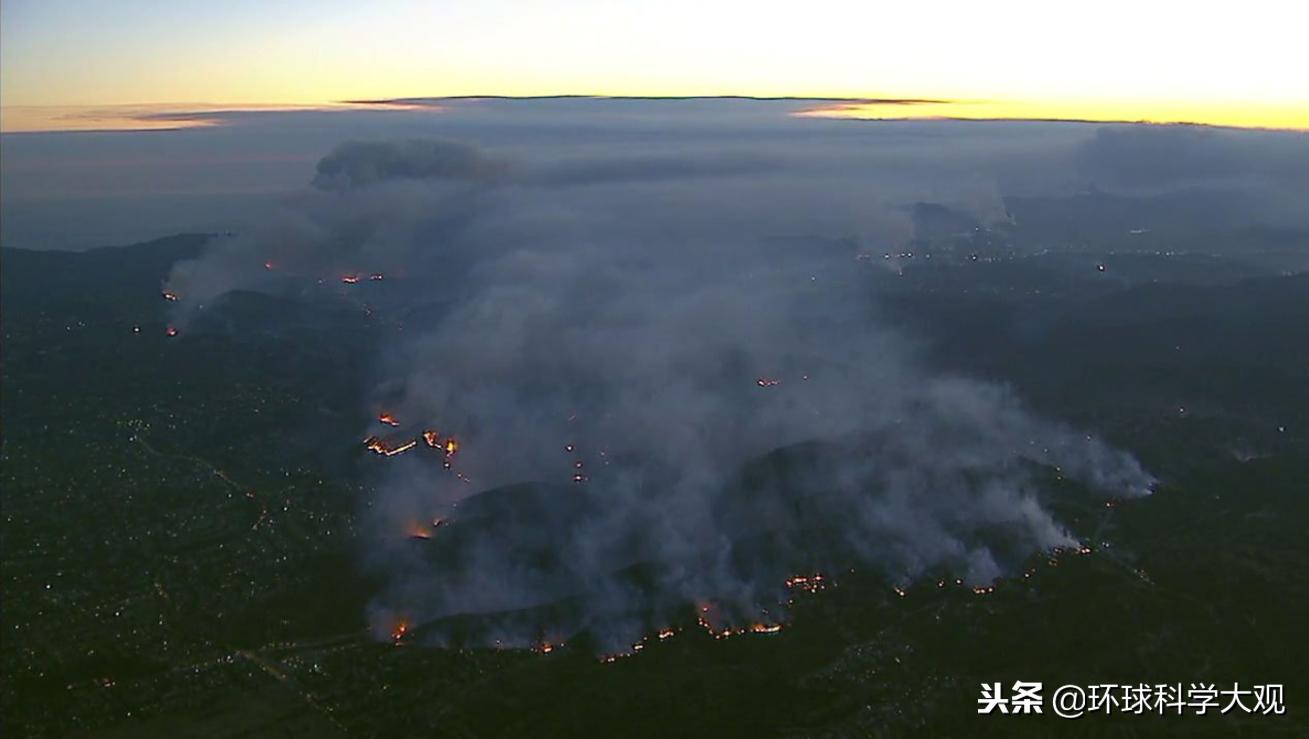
(1241, 115)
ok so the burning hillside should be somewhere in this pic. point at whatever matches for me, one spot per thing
(733, 417)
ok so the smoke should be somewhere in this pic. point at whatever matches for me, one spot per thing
(360, 163)
(669, 383)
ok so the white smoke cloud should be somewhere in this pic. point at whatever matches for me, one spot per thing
(692, 337)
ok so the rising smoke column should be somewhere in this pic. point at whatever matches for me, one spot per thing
(666, 390)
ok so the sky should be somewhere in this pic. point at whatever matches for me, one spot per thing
(1230, 64)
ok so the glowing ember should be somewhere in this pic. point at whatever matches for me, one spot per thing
(807, 583)
(170, 331)
(387, 418)
(399, 631)
(767, 382)
(170, 296)
(350, 279)
(419, 531)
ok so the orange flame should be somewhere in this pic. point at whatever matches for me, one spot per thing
(387, 419)
(350, 279)
(379, 446)
(403, 448)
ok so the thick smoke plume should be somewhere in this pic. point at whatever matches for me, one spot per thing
(669, 384)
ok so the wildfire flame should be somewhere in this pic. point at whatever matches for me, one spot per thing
(398, 633)
(387, 418)
(170, 296)
(374, 444)
(170, 331)
(375, 276)
(350, 279)
(767, 382)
